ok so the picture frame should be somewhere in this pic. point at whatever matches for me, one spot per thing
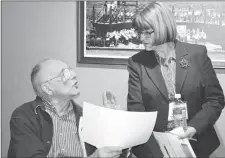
(94, 49)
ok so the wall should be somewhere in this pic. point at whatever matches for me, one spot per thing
(32, 31)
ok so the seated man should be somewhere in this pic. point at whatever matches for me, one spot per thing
(48, 125)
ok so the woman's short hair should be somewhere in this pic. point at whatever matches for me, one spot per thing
(160, 19)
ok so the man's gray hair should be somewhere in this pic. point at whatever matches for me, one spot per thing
(36, 69)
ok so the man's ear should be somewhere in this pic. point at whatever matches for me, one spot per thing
(46, 89)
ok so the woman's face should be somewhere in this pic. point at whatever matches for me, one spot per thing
(147, 38)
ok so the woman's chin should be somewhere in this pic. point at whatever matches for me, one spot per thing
(148, 47)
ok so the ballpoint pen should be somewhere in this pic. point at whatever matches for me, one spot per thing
(187, 138)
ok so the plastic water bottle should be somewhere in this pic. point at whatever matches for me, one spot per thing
(179, 112)
(184, 120)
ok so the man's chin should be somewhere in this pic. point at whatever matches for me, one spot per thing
(76, 94)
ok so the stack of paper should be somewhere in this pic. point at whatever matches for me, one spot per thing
(109, 127)
(171, 146)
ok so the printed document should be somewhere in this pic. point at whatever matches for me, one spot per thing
(109, 127)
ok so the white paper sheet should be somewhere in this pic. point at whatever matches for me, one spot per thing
(109, 127)
(171, 146)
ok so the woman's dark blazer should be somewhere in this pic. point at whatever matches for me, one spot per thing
(197, 84)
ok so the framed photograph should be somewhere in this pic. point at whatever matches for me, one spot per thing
(106, 36)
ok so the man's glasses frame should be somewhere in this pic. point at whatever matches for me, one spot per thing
(65, 75)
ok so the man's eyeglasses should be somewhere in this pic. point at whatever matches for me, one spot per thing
(64, 75)
(146, 33)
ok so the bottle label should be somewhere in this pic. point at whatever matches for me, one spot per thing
(177, 111)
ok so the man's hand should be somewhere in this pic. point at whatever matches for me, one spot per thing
(113, 152)
(189, 133)
(109, 101)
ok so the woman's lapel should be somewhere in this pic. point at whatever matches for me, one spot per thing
(181, 72)
(154, 72)
(153, 69)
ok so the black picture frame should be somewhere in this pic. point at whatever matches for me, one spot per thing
(107, 60)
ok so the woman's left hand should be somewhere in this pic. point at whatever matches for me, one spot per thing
(189, 133)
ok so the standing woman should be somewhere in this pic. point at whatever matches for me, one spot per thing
(167, 67)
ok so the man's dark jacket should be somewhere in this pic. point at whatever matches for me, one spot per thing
(32, 130)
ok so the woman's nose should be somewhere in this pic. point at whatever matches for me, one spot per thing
(142, 37)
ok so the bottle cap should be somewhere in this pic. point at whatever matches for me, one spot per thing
(177, 96)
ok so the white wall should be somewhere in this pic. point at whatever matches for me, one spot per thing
(32, 31)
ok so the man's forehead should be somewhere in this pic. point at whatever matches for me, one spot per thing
(51, 68)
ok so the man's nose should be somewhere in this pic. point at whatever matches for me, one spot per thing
(73, 75)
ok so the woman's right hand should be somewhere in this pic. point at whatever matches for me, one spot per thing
(109, 101)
